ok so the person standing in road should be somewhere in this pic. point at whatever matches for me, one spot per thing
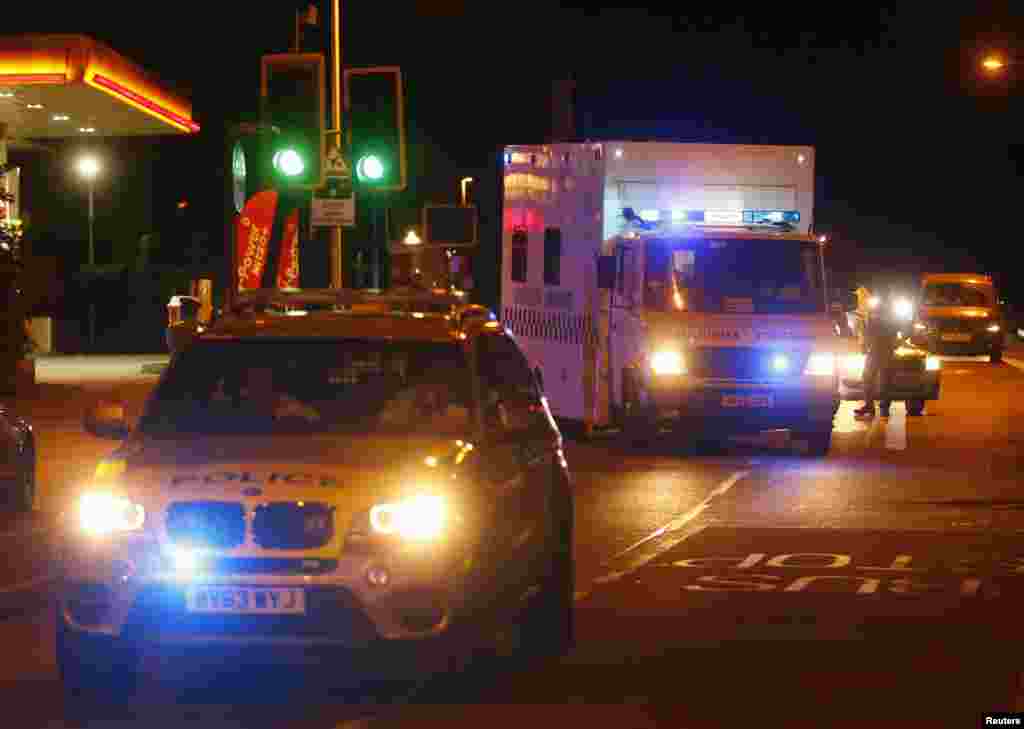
(880, 340)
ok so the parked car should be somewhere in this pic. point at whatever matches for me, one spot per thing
(17, 461)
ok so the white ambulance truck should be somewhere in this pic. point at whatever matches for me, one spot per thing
(672, 285)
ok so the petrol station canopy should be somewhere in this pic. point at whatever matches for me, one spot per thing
(61, 86)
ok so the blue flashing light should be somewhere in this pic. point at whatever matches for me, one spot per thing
(771, 216)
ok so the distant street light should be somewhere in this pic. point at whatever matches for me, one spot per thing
(465, 182)
(823, 239)
(411, 239)
(993, 63)
(89, 167)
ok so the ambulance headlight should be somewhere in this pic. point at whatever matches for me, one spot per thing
(853, 365)
(822, 364)
(668, 362)
(903, 309)
(104, 513)
(421, 518)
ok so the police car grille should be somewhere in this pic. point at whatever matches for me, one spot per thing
(219, 524)
(291, 525)
(743, 363)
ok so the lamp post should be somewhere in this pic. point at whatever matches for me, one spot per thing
(465, 182)
(88, 168)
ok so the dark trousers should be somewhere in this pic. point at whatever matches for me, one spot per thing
(876, 368)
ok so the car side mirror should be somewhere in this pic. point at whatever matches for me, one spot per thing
(107, 419)
(606, 272)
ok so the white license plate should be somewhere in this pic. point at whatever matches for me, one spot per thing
(748, 401)
(956, 337)
(245, 600)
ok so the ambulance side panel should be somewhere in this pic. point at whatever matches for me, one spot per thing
(551, 224)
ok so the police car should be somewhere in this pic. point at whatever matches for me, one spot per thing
(323, 470)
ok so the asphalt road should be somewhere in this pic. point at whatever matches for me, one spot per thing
(881, 584)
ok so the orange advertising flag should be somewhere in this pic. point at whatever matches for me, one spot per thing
(288, 271)
(253, 235)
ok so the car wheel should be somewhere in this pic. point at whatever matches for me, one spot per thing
(549, 626)
(819, 442)
(94, 670)
(915, 408)
(25, 495)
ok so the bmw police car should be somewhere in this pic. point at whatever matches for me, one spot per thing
(323, 469)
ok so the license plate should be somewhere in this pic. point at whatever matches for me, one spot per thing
(246, 600)
(956, 337)
(748, 401)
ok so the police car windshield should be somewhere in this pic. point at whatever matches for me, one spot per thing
(318, 386)
(955, 294)
(734, 275)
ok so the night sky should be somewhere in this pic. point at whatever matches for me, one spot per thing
(919, 155)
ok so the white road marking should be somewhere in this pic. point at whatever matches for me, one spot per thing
(846, 422)
(27, 584)
(676, 525)
(896, 428)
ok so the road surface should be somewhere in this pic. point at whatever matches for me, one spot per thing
(881, 584)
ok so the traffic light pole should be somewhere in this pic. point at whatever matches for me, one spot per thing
(337, 279)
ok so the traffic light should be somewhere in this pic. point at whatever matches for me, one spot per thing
(375, 118)
(292, 91)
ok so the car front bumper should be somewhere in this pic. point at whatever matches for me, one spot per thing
(737, 407)
(124, 588)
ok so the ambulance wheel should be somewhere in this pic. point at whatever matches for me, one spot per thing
(915, 408)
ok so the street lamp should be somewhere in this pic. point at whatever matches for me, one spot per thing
(465, 182)
(411, 239)
(89, 167)
(993, 63)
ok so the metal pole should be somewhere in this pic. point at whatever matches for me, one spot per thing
(92, 251)
(337, 281)
(92, 262)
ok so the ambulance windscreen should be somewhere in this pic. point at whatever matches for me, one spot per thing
(733, 276)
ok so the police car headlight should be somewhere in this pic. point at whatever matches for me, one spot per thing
(102, 513)
(822, 364)
(932, 364)
(421, 518)
(668, 362)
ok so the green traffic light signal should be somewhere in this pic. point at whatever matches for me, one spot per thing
(289, 162)
(370, 167)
